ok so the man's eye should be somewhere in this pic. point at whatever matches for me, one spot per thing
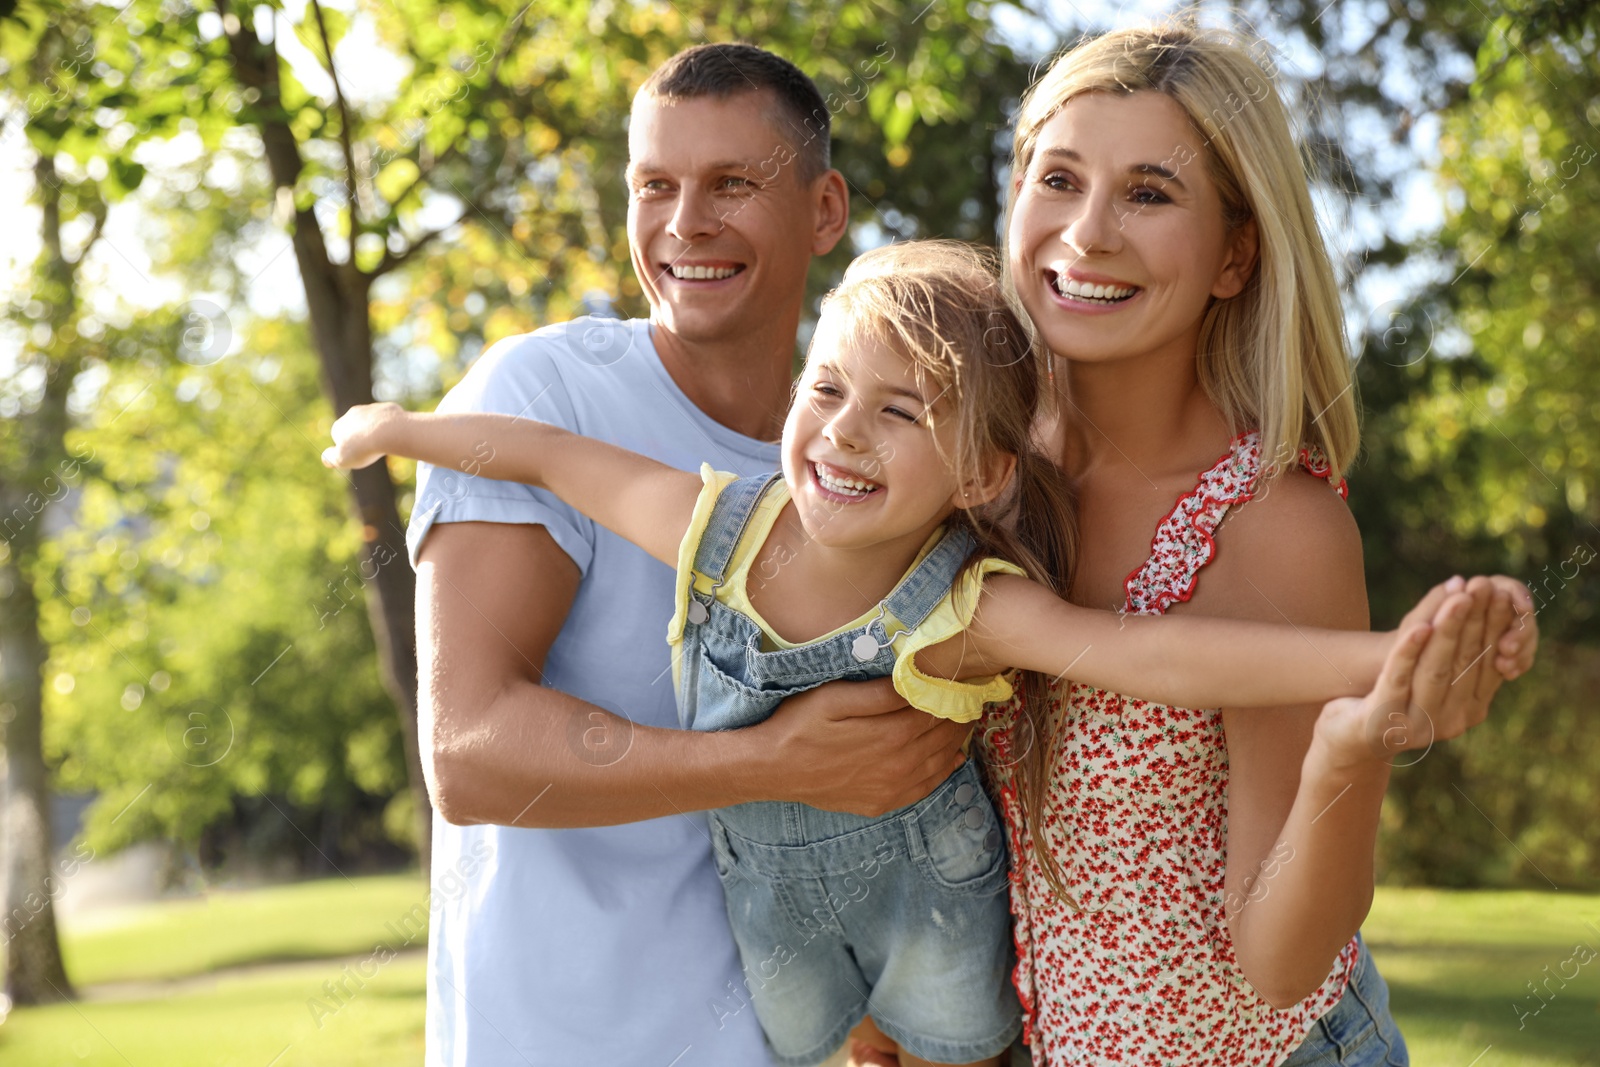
(736, 183)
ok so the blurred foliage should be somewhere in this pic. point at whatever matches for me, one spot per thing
(487, 188)
(209, 643)
(1481, 399)
(483, 192)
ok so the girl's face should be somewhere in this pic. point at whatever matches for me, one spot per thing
(1117, 241)
(859, 452)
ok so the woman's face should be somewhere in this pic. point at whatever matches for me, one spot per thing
(1117, 241)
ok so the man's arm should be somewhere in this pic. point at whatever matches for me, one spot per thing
(499, 747)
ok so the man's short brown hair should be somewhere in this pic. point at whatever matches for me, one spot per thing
(723, 70)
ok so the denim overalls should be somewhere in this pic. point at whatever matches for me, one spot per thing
(905, 915)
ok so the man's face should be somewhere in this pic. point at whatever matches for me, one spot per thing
(719, 223)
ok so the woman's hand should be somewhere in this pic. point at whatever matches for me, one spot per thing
(358, 435)
(1439, 677)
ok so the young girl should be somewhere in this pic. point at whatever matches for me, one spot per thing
(1197, 903)
(890, 544)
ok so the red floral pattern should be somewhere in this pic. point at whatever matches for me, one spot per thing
(1144, 971)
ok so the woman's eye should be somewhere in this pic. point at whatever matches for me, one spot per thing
(1144, 194)
(1057, 180)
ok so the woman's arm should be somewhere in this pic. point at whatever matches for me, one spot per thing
(1302, 828)
(633, 496)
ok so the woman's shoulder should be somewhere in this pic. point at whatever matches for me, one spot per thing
(1294, 545)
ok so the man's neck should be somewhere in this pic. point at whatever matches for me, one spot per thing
(743, 384)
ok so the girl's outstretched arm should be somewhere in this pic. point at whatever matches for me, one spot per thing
(1193, 662)
(633, 496)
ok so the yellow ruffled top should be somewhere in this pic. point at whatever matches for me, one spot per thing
(959, 701)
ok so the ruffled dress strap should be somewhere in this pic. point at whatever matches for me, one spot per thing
(1183, 541)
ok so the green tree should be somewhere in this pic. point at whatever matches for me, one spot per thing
(508, 119)
(43, 68)
(210, 657)
(1484, 427)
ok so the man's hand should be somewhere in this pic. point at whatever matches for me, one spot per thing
(856, 747)
(358, 435)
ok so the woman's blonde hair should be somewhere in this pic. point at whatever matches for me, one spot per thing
(941, 305)
(1273, 358)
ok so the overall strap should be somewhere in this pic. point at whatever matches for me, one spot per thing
(729, 517)
(921, 591)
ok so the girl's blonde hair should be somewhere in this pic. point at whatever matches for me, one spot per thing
(941, 305)
(1274, 357)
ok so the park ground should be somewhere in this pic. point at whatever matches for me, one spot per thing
(331, 973)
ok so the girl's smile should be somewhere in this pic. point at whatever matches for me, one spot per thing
(860, 448)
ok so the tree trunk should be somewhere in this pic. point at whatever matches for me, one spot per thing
(338, 301)
(34, 973)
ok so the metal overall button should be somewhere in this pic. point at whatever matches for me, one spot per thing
(865, 648)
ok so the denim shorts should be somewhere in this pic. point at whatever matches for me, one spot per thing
(1359, 1031)
(905, 918)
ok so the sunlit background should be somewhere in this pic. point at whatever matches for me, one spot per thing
(197, 683)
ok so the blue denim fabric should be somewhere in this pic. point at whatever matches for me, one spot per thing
(1359, 1031)
(836, 916)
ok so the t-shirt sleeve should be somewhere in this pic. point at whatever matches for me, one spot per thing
(959, 701)
(516, 376)
(713, 482)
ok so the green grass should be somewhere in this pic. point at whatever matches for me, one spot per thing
(227, 928)
(1458, 964)
(246, 1021)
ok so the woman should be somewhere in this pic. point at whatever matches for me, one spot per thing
(1188, 884)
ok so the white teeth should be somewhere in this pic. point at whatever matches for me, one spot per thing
(690, 273)
(842, 486)
(1086, 291)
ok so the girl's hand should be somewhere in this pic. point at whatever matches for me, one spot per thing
(1440, 676)
(358, 435)
(1410, 707)
(1514, 652)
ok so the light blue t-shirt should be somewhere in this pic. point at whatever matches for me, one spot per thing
(610, 944)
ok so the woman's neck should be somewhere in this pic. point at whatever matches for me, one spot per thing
(1149, 412)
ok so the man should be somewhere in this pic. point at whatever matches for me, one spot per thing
(577, 916)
